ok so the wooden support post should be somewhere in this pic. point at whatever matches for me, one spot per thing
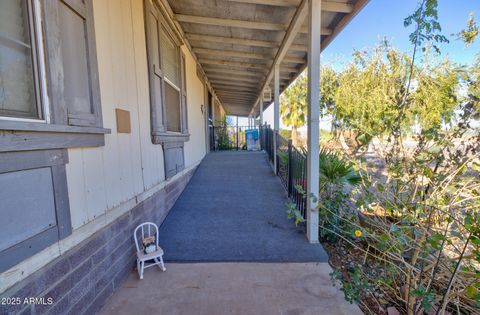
(276, 113)
(261, 110)
(237, 133)
(262, 129)
(313, 95)
(215, 148)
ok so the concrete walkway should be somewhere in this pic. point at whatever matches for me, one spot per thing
(231, 288)
(234, 209)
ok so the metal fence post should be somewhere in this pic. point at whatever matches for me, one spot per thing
(276, 144)
(260, 136)
(290, 168)
(214, 142)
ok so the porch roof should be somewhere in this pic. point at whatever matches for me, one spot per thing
(238, 42)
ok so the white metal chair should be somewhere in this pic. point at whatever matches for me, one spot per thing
(147, 229)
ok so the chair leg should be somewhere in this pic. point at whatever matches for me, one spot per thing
(142, 267)
(159, 262)
(139, 269)
(162, 264)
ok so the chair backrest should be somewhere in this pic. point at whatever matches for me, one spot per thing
(145, 229)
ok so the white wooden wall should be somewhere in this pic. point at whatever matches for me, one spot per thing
(105, 182)
(100, 179)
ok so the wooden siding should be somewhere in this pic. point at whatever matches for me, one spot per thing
(105, 182)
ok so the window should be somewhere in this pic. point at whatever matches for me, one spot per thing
(19, 87)
(49, 101)
(48, 66)
(166, 63)
(71, 56)
(172, 107)
(169, 53)
(168, 89)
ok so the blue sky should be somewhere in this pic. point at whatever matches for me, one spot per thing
(384, 18)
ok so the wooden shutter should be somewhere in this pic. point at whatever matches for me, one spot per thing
(72, 62)
(173, 156)
(79, 69)
(156, 75)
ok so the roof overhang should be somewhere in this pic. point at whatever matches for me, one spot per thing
(237, 43)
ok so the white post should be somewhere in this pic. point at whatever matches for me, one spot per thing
(276, 113)
(262, 130)
(213, 111)
(261, 110)
(313, 95)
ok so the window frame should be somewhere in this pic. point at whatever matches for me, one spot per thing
(27, 144)
(55, 160)
(54, 56)
(159, 132)
(38, 66)
(54, 130)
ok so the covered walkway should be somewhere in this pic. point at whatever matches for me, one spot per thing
(234, 209)
(230, 249)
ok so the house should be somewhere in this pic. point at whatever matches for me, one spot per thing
(105, 108)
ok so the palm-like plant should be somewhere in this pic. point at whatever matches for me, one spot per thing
(335, 174)
(335, 170)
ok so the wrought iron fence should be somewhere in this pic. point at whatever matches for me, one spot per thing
(297, 170)
(267, 142)
(283, 160)
(228, 137)
(291, 166)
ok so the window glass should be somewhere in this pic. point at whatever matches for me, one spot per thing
(169, 55)
(172, 107)
(17, 86)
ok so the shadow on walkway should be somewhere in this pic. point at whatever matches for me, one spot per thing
(234, 209)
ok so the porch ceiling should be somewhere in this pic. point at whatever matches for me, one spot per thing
(237, 42)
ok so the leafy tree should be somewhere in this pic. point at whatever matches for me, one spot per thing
(435, 98)
(369, 91)
(328, 89)
(474, 88)
(366, 97)
(427, 27)
(469, 34)
(293, 109)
